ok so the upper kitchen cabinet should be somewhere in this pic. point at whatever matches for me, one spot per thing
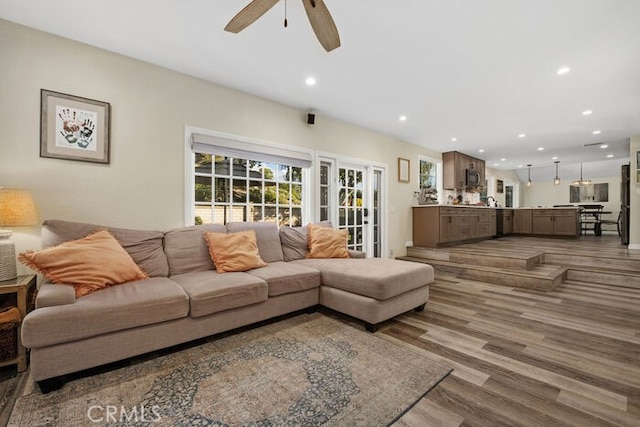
(462, 172)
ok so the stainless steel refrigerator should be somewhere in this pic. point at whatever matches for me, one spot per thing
(625, 193)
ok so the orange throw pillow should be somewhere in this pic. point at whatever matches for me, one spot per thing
(234, 251)
(327, 242)
(89, 264)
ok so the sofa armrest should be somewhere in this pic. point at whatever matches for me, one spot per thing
(51, 294)
(356, 254)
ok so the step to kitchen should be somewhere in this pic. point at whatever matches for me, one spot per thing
(539, 277)
(537, 263)
(468, 254)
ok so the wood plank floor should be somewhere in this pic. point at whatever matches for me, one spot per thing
(570, 356)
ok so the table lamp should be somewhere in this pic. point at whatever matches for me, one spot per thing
(16, 209)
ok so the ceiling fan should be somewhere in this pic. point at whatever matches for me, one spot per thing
(317, 12)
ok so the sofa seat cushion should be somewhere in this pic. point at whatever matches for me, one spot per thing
(285, 277)
(372, 277)
(212, 292)
(116, 308)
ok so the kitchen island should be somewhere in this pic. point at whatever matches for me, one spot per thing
(443, 225)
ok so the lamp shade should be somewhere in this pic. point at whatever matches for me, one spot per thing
(16, 208)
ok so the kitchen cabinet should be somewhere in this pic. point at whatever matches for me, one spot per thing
(455, 167)
(439, 225)
(546, 222)
(555, 222)
(522, 221)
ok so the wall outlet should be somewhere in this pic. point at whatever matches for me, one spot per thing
(408, 243)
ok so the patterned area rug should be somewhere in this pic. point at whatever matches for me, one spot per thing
(304, 371)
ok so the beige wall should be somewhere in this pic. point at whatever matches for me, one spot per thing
(634, 229)
(143, 186)
(547, 194)
(508, 178)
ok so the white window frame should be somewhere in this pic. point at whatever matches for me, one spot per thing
(439, 174)
(240, 144)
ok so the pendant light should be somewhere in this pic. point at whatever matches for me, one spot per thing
(556, 180)
(582, 181)
(529, 182)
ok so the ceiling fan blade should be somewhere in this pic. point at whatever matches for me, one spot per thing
(322, 24)
(249, 15)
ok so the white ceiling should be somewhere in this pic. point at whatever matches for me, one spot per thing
(481, 71)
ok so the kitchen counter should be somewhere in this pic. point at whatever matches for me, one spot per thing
(440, 225)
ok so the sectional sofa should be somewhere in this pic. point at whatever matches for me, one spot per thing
(185, 298)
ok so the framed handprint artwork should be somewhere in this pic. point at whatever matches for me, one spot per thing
(73, 128)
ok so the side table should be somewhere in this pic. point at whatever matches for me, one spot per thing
(21, 286)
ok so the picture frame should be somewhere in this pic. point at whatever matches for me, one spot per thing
(74, 128)
(500, 186)
(403, 169)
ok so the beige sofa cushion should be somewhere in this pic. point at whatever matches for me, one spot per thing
(267, 236)
(145, 247)
(187, 249)
(88, 264)
(285, 277)
(212, 292)
(295, 241)
(129, 305)
(325, 242)
(372, 277)
(234, 251)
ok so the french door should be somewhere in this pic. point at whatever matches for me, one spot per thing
(357, 192)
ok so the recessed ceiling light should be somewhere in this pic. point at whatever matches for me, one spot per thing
(454, 139)
(587, 112)
(554, 158)
(522, 135)
(311, 81)
(481, 150)
(604, 146)
(609, 156)
(596, 132)
(402, 118)
(503, 159)
(540, 148)
(520, 166)
(563, 70)
(495, 164)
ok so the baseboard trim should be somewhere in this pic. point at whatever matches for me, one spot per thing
(635, 246)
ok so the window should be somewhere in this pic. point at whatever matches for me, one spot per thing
(241, 181)
(428, 175)
(232, 189)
